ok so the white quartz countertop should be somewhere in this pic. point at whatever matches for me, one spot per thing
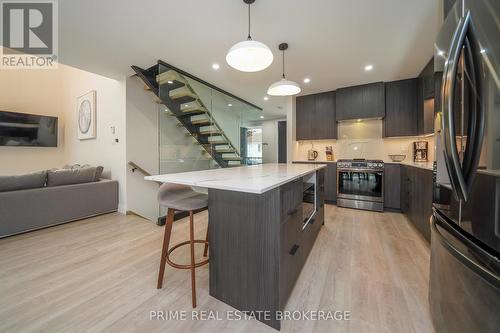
(252, 179)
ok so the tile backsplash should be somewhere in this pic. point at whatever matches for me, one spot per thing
(362, 140)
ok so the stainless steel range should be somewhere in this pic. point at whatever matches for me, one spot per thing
(360, 184)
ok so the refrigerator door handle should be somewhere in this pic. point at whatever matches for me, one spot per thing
(481, 270)
(475, 131)
(448, 133)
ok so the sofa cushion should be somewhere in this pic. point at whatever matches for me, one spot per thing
(58, 177)
(23, 182)
(98, 173)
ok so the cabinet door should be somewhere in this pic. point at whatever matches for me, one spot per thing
(373, 100)
(360, 102)
(392, 186)
(411, 213)
(427, 98)
(401, 108)
(428, 120)
(305, 107)
(347, 101)
(323, 122)
(331, 182)
(425, 183)
(418, 200)
(427, 76)
(405, 188)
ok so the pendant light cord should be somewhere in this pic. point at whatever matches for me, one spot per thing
(283, 63)
(249, 37)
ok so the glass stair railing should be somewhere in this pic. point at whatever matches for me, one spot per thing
(211, 116)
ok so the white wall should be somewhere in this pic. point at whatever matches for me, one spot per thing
(35, 92)
(53, 92)
(111, 112)
(142, 149)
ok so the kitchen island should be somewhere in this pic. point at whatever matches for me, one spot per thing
(263, 221)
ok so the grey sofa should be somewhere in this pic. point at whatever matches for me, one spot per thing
(30, 209)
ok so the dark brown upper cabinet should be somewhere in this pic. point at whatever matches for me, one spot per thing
(401, 108)
(361, 102)
(315, 116)
(427, 95)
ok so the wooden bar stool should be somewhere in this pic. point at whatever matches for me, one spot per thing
(181, 198)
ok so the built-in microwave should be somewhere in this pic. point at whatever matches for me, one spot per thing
(309, 198)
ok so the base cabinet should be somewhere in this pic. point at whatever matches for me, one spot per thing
(416, 198)
(331, 183)
(258, 246)
(392, 186)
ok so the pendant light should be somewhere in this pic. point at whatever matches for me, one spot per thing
(283, 87)
(249, 55)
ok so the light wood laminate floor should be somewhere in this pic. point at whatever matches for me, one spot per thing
(99, 275)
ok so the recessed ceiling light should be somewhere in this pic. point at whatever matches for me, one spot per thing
(359, 120)
(261, 117)
(307, 80)
(266, 98)
(230, 104)
(215, 66)
(482, 51)
(368, 67)
(170, 82)
(440, 53)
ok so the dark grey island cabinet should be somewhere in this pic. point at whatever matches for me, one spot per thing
(263, 222)
(258, 245)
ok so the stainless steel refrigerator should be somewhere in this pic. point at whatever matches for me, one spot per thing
(464, 291)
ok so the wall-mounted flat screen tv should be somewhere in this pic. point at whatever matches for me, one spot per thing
(22, 129)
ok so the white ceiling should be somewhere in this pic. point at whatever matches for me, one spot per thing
(330, 41)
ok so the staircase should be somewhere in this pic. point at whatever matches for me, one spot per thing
(173, 90)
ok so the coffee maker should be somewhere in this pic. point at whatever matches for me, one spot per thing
(420, 149)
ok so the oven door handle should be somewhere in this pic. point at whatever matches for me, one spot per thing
(360, 170)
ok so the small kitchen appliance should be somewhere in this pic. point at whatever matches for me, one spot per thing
(420, 149)
(329, 153)
(312, 155)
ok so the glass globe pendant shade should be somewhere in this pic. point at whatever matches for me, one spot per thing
(249, 56)
(283, 87)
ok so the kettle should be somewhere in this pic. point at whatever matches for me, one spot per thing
(312, 155)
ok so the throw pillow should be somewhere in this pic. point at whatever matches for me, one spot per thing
(60, 177)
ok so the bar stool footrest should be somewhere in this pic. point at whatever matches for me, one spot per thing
(186, 266)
